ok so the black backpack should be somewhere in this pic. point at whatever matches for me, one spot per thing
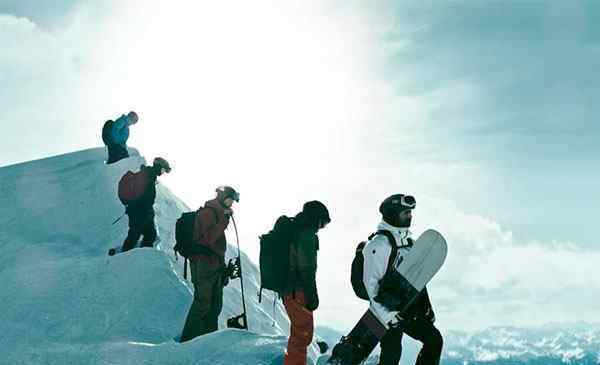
(107, 132)
(274, 259)
(184, 238)
(357, 272)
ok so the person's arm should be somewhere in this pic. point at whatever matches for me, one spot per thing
(376, 255)
(306, 247)
(210, 230)
(120, 130)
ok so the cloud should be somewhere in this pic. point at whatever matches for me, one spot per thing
(490, 277)
(43, 13)
(339, 104)
(47, 77)
(499, 80)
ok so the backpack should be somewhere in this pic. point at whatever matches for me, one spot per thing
(274, 258)
(184, 235)
(107, 132)
(184, 238)
(358, 263)
(132, 186)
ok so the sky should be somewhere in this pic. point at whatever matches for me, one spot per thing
(485, 111)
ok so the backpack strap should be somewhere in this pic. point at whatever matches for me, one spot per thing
(392, 242)
(185, 266)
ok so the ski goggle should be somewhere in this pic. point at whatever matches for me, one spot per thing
(406, 201)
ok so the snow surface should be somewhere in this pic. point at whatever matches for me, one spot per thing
(64, 301)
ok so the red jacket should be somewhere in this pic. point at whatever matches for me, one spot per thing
(209, 230)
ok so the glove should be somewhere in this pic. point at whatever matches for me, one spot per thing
(312, 302)
(233, 269)
(323, 347)
(397, 321)
(228, 213)
(430, 316)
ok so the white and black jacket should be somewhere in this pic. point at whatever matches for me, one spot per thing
(376, 255)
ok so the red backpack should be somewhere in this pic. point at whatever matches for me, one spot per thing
(132, 186)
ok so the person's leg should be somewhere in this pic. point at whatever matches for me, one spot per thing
(301, 329)
(198, 321)
(391, 347)
(149, 232)
(217, 302)
(425, 332)
(116, 153)
(135, 231)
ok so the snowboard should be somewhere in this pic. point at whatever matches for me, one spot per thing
(417, 268)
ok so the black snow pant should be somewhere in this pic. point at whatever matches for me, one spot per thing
(116, 152)
(141, 223)
(203, 316)
(421, 330)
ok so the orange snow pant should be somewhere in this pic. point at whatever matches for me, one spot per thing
(301, 328)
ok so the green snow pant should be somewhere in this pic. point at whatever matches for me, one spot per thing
(203, 316)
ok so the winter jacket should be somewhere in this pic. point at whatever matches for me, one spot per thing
(209, 230)
(120, 130)
(303, 263)
(376, 256)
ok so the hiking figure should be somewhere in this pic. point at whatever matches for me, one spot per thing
(300, 296)
(115, 135)
(418, 321)
(209, 272)
(137, 191)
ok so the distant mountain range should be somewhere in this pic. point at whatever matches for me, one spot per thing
(552, 344)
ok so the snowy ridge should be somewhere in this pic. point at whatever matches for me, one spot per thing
(65, 301)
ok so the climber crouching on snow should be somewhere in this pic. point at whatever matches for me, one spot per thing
(115, 135)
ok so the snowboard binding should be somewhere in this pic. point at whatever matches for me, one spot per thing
(346, 353)
(238, 322)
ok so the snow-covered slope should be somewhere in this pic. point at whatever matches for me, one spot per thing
(65, 301)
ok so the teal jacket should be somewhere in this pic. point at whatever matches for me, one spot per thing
(120, 130)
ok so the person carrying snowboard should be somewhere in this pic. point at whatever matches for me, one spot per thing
(138, 192)
(300, 296)
(418, 320)
(115, 135)
(209, 272)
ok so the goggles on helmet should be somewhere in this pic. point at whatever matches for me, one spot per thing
(228, 192)
(406, 201)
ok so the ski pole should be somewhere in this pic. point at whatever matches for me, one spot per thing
(118, 219)
(239, 258)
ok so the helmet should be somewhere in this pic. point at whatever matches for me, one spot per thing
(132, 117)
(397, 203)
(224, 192)
(161, 163)
(316, 212)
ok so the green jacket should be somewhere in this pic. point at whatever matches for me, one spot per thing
(303, 266)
